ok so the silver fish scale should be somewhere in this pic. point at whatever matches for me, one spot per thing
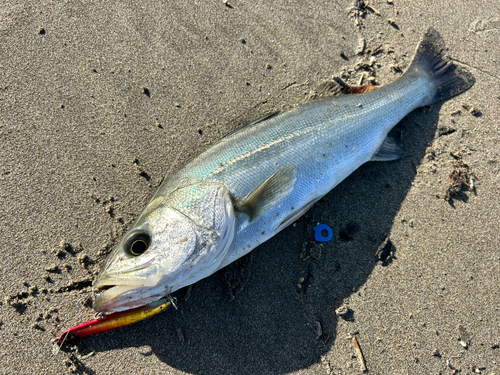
(326, 139)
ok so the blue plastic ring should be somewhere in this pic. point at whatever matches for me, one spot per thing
(319, 237)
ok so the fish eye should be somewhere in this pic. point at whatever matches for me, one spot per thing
(137, 243)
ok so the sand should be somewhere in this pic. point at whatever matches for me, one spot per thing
(100, 100)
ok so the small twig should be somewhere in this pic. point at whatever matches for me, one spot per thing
(373, 9)
(360, 82)
(359, 354)
(340, 82)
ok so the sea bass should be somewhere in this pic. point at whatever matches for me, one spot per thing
(256, 181)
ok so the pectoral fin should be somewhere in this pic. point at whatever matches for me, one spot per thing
(389, 150)
(268, 193)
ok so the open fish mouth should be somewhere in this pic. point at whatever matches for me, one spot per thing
(125, 289)
(110, 291)
(103, 288)
(108, 296)
(114, 298)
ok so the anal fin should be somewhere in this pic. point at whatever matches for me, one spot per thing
(294, 216)
(389, 150)
(268, 193)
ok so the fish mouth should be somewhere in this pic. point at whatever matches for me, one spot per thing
(103, 288)
(112, 294)
(115, 298)
(144, 275)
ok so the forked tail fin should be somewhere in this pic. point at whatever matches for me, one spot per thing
(448, 78)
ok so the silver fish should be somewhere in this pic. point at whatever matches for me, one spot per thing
(256, 181)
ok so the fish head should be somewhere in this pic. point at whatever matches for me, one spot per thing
(177, 240)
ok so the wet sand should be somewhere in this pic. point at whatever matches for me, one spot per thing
(99, 101)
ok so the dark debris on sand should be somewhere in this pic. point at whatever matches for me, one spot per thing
(461, 179)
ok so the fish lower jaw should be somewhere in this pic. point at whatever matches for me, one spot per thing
(115, 298)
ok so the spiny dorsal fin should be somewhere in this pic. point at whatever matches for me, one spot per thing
(389, 150)
(354, 89)
(254, 122)
(268, 193)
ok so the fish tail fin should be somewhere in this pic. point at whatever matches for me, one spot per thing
(448, 78)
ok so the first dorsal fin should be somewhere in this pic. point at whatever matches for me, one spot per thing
(354, 89)
(254, 122)
(268, 193)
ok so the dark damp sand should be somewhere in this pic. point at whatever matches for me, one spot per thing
(98, 100)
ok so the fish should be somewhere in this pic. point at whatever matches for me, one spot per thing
(259, 179)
